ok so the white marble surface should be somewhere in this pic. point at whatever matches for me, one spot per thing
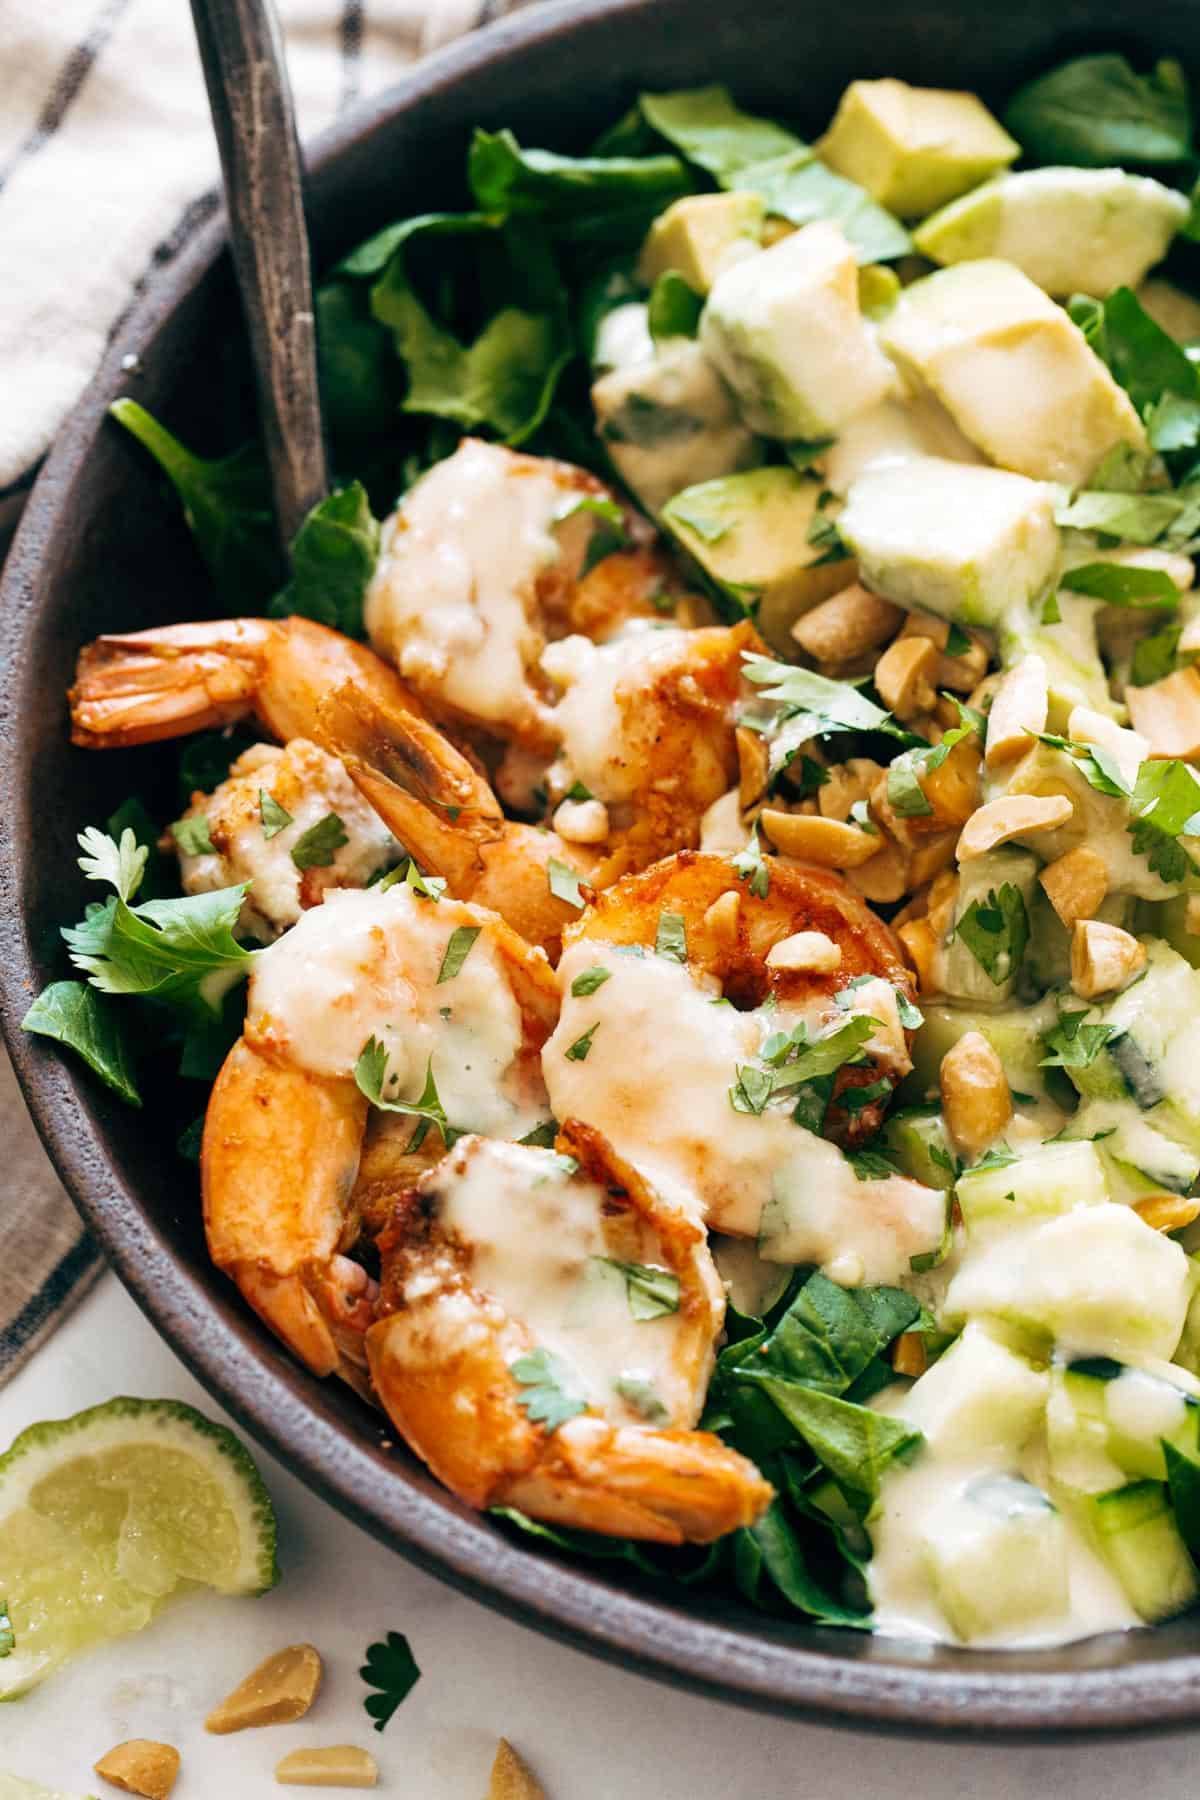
(591, 1732)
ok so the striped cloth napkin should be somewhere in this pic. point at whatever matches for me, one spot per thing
(107, 163)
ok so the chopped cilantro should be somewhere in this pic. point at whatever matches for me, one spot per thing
(996, 931)
(642, 1397)
(1051, 610)
(814, 704)
(458, 948)
(564, 883)
(857, 1099)
(8, 1637)
(906, 796)
(957, 641)
(316, 847)
(546, 1399)
(275, 818)
(192, 836)
(999, 1157)
(578, 1051)
(74, 1014)
(370, 1075)
(589, 980)
(542, 1136)
(871, 1165)
(1098, 766)
(751, 1089)
(426, 887)
(1122, 584)
(670, 939)
(1073, 1045)
(750, 864)
(650, 1292)
(1165, 805)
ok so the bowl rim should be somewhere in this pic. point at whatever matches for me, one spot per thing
(979, 1696)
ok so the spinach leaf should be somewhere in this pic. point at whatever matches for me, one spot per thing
(1097, 110)
(360, 381)
(74, 1014)
(595, 200)
(1146, 361)
(504, 377)
(333, 559)
(1154, 656)
(853, 1442)
(1134, 518)
(773, 1547)
(227, 504)
(1118, 584)
(757, 156)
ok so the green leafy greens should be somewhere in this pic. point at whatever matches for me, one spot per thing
(996, 931)
(391, 1668)
(1097, 110)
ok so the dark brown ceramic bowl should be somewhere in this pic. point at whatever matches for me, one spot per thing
(99, 549)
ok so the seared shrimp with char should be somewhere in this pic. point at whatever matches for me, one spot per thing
(546, 1333)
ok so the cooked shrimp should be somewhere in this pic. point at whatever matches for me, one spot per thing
(546, 1335)
(483, 562)
(257, 818)
(138, 686)
(689, 1007)
(435, 801)
(283, 1135)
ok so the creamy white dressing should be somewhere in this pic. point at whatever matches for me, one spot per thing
(656, 1079)
(534, 1231)
(453, 601)
(309, 784)
(365, 965)
(722, 829)
(895, 431)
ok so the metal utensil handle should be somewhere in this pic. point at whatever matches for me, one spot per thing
(251, 104)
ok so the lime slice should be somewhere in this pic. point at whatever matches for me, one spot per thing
(12, 1787)
(104, 1515)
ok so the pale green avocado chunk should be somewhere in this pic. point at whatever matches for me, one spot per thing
(965, 543)
(914, 148)
(1070, 230)
(786, 330)
(749, 532)
(1011, 368)
(700, 235)
(670, 422)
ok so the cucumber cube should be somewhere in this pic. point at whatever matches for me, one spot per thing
(1122, 1414)
(979, 1398)
(1134, 1530)
(918, 1145)
(996, 1554)
(1052, 1179)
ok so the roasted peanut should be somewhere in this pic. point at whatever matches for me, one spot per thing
(1018, 712)
(886, 877)
(338, 1765)
(1167, 1212)
(1103, 958)
(921, 942)
(905, 675)
(753, 766)
(848, 783)
(1075, 884)
(828, 842)
(805, 950)
(1167, 713)
(722, 918)
(848, 624)
(960, 673)
(976, 1099)
(999, 821)
(281, 1689)
(512, 1779)
(141, 1766)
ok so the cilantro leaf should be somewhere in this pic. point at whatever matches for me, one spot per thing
(1134, 518)
(316, 847)
(996, 931)
(392, 1668)
(670, 939)
(547, 1400)
(650, 1292)
(1071, 1044)
(805, 1060)
(589, 980)
(643, 1398)
(999, 1157)
(1121, 584)
(578, 1051)
(751, 865)
(563, 881)
(427, 887)
(370, 1076)
(906, 796)
(275, 818)
(752, 1088)
(1098, 766)
(871, 1165)
(608, 534)
(815, 704)
(192, 836)
(121, 864)
(1154, 656)
(457, 950)
(74, 1014)
(1165, 804)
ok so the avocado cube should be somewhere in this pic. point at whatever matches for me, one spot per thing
(700, 235)
(1014, 372)
(671, 422)
(913, 148)
(996, 1551)
(1049, 1180)
(1070, 230)
(749, 532)
(786, 330)
(965, 543)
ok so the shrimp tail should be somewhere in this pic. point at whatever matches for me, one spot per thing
(140, 686)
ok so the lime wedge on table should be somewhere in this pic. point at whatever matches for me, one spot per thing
(104, 1515)
(13, 1788)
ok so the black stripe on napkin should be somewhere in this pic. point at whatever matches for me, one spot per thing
(67, 84)
(41, 1307)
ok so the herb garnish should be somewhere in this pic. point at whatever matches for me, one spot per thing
(1165, 805)
(650, 1292)
(74, 1014)
(564, 882)
(458, 948)
(192, 836)
(8, 1637)
(578, 1051)
(750, 864)
(589, 980)
(996, 931)
(316, 847)
(1096, 764)
(547, 1400)
(642, 1397)
(1071, 1044)
(275, 818)
(906, 796)
(392, 1668)
(370, 1073)
(670, 939)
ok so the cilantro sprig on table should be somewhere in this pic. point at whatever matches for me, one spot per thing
(391, 1668)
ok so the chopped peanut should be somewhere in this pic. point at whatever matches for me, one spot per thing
(582, 821)
(828, 842)
(340, 1765)
(886, 877)
(848, 783)
(975, 1095)
(915, 907)
(850, 622)
(1167, 713)
(281, 1689)
(908, 1354)
(1013, 816)
(1075, 884)
(1167, 1212)
(753, 766)
(961, 673)
(930, 855)
(512, 1779)
(806, 950)
(943, 898)
(140, 1766)
(1191, 915)
(921, 941)
(905, 675)
(1103, 957)
(1019, 708)
(722, 917)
